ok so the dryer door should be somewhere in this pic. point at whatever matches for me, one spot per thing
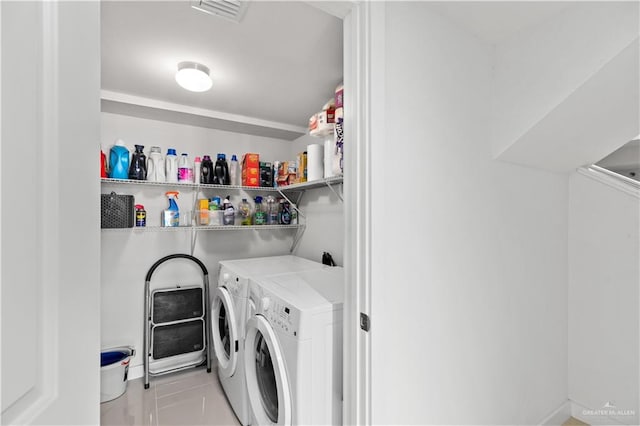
(267, 383)
(225, 332)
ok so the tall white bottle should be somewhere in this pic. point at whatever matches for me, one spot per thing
(197, 166)
(234, 171)
(155, 165)
(171, 166)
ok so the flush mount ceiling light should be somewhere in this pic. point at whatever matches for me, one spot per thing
(193, 76)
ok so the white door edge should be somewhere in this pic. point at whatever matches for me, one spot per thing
(226, 367)
(363, 67)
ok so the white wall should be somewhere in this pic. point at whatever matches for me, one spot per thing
(127, 255)
(469, 267)
(324, 217)
(604, 290)
(537, 69)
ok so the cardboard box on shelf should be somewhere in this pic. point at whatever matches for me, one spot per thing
(301, 175)
(251, 169)
(266, 174)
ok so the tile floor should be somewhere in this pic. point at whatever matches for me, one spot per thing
(191, 397)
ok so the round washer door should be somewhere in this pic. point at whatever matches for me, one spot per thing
(267, 383)
(225, 332)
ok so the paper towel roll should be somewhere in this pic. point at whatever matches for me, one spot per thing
(315, 162)
(329, 146)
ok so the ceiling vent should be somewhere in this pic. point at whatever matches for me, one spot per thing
(231, 10)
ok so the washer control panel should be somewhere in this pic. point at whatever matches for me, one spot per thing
(232, 282)
(281, 316)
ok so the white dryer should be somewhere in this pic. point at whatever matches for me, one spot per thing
(293, 348)
(229, 316)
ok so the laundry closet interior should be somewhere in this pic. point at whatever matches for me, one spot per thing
(271, 71)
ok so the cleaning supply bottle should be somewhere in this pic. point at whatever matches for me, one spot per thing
(206, 170)
(185, 172)
(284, 213)
(271, 207)
(234, 171)
(260, 216)
(103, 165)
(197, 165)
(119, 161)
(293, 209)
(171, 166)
(244, 209)
(171, 216)
(221, 171)
(215, 211)
(229, 213)
(155, 165)
(141, 215)
(203, 211)
(138, 168)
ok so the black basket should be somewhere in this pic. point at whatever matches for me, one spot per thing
(116, 211)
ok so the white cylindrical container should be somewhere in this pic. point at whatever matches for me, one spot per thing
(329, 148)
(197, 163)
(315, 162)
(171, 166)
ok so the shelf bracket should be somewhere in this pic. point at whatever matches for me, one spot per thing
(292, 204)
(297, 238)
(335, 192)
(194, 238)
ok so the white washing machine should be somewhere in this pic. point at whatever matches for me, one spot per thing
(293, 348)
(229, 316)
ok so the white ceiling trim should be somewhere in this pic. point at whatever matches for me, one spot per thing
(121, 103)
(339, 9)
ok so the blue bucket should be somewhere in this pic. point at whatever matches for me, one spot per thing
(108, 358)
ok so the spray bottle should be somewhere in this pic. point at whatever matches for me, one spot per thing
(229, 213)
(171, 216)
(260, 216)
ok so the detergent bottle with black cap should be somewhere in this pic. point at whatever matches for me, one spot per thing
(221, 171)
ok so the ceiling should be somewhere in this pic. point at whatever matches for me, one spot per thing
(281, 63)
(497, 21)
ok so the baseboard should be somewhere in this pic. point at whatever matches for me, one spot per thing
(558, 416)
(592, 416)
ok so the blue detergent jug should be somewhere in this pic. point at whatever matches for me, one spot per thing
(119, 161)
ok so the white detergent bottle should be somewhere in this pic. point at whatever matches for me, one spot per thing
(171, 166)
(155, 165)
(234, 170)
(185, 172)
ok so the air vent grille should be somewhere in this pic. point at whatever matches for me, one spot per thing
(232, 10)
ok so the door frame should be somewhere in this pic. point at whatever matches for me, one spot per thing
(363, 70)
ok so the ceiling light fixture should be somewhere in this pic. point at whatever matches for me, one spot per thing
(193, 76)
